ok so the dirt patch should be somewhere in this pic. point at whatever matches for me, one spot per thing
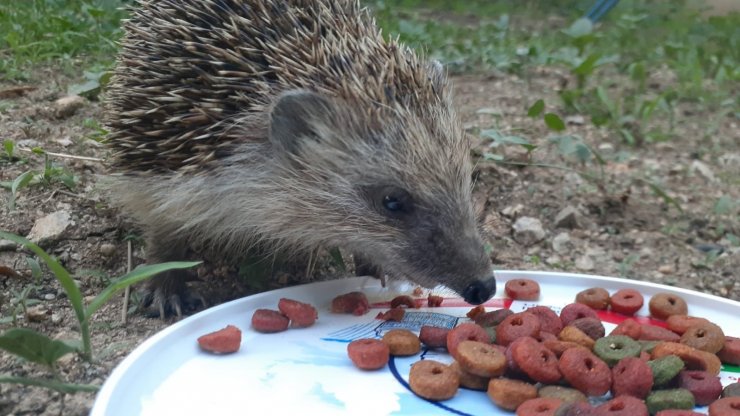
(620, 226)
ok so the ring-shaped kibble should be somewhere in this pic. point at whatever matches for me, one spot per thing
(693, 359)
(595, 298)
(368, 353)
(626, 301)
(680, 323)
(469, 380)
(705, 387)
(613, 348)
(575, 335)
(549, 320)
(536, 361)
(663, 305)
(628, 327)
(540, 406)
(704, 336)
(433, 380)
(522, 324)
(657, 333)
(481, 359)
(670, 399)
(729, 406)
(665, 369)
(509, 394)
(433, 336)
(730, 353)
(522, 289)
(585, 371)
(565, 394)
(492, 318)
(622, 406)
(467, 331)
(632, 377)
(573, 311)
(731, 390)
(679, 412)
(402, 342)
(590, 326)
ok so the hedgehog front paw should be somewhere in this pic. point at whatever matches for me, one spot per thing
(167, 294)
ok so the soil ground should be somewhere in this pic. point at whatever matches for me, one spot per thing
(622, 227)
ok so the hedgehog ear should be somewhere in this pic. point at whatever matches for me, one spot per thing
(297, 116)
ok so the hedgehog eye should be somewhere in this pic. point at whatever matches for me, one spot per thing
(392, 204)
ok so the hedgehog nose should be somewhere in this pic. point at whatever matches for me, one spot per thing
(479, 291)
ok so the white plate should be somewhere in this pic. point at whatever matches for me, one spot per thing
(306, 371)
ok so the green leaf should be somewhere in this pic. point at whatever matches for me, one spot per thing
(493, 157)
(9, 147)
(64, 278)
(588, 65)
(661, 193)
(35, 268)
(536, 109)
(337, 258)
(69, 388)
(135, 276)
(554, 122)
(580, 28)
(21, 181)
(33, 346)
(724, 205)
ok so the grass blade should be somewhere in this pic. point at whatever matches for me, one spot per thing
(50, 384)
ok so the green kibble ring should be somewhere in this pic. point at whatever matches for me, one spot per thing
(613, 348)
(647, 346)
(566, 394)
(665, 369)
(669, 399)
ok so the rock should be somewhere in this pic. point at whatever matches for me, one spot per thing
(67, 106)
(50, 296)
(37, 313)
(585, 263)
(709, 247)
(528, 231)
(554, 259)
(107, 249)
(50, 227)
(512, 211)
(666, 269)
(56, 318)
(576, 120)
(568, 217)
(606, 148)
(64, 141)
(562, 243)
(703, 170)
(7, 245)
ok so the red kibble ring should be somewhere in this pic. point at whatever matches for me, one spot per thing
(541, 406)
(663, 305)
(632, 377)
(301, 314)
(549, 320)
(594, 298)
(585, 371)
(629, 327)
(403, 300)
(269, 321)
(536, 361)
(680, 323)
(705, 387)
(622, 406)
(590, 326)
(656, 333)
(433, 337)
(492, 318)
(573, 311)
(626, 301)
(467, 331)
(368, 353)
(522, 289)
(729, 406)
(678, 412)
(522, 324)
(730, 352)
(355, 303)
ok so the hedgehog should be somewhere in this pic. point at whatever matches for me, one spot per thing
(290, 126)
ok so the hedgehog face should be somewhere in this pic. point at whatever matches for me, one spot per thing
(397, 193)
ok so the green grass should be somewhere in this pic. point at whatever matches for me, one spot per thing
(66, 32)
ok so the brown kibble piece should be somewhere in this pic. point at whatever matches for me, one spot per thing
(575, 335)
(470, 380)
(269, 321)
(403, 301)
(680, 323)
(590, 326)
(402, 342)
(704, 336)
(481, 359)
(462, 332)
(509, 394)
(223, 341)
(355, 303)
(663, 305)
(595, 298)
(433, 380)
(368, 353)
(434, 301)
(693, 359)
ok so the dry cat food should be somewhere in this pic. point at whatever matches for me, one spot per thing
(223, 341)
(433, 337)
(355, 303)
(585, 371)
(368, 353)
(462, 332)
(595, 298)
(541, 406)
(403, 300)
(269, 321)
(728, 406)
(509, 394)
(434, 301)
(522, 324)
(626, 301)
(301, 314)
(705, 387)
(481, 359)
(433, 380)
(573, 311)
(522, 289)
(536, 361)
(704, 336)
(394, 314)
(402, 342)
(622, 406)
(663, 305)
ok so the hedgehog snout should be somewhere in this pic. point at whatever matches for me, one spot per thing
(480, 291)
